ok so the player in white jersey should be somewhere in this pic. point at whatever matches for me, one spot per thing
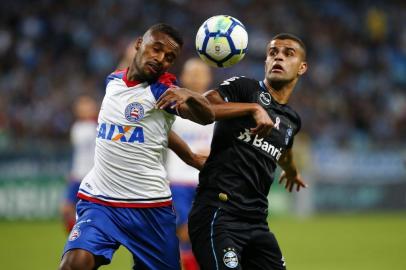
(82, 135)
(125, 198)
(196, 75)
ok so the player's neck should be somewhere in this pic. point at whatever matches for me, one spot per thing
(133, 74)
(281, 93)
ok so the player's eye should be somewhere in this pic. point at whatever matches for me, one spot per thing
(290, 52)
(273, 52)
(170, 58)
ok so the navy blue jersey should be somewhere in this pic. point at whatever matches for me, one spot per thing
(240, 169)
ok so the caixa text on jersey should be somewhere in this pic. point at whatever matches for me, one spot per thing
(127, 134)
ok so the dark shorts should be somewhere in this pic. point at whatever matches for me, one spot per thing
(221, 240)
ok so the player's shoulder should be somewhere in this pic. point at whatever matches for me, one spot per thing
(238, 89)
(240, 80)
(163, 83)
(115, 75)
(167, 79)
(293, 116)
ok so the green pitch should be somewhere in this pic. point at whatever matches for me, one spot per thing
(333, 242)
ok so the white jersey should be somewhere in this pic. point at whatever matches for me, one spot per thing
(83, 139)
(198, 138)
(132, 138)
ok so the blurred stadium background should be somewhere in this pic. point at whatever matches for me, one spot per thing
(352, 148)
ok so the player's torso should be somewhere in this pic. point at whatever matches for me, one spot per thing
(241, 164)
(132, 136)
(270, 147)
(128, 115)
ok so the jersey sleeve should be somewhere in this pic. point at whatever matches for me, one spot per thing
(166, 81)
(235, 89)
(298, 126)
(118, 74)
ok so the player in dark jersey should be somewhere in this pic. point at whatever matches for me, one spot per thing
(254, 132)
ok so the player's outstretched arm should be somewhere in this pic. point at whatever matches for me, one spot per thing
(183, 151)
(226, 110)
(290, 173)
(188, 104)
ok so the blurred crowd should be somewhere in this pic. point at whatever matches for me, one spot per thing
(354, 94)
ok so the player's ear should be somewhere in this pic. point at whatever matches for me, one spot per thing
(302, 68)
(138, 43)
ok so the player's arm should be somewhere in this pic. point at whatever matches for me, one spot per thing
(183, 151)
(226, 110)
(290, 173)
(188, 104)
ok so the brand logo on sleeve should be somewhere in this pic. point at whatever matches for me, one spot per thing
(134, 112)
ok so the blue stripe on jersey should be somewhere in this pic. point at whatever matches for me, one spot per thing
(157, 90)
(124, 200)
(115, 75)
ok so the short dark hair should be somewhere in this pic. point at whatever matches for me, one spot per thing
(169, 30)
(283, 36)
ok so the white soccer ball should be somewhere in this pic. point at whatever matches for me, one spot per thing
(221, 41)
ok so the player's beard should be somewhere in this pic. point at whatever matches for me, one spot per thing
(141, 74)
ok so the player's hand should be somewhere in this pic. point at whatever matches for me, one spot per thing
(198, 161)
(173, 98)
(291, 181)
(263, 121)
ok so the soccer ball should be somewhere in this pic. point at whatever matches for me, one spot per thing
(221, 41)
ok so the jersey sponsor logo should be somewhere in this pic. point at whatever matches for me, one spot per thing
(134, 112)
(127, 134)
(265, 98)
(260, 144)
(230, 258)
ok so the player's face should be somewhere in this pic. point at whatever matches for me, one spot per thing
(155, 53)
(284, 61)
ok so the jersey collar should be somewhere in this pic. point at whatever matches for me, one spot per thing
(128, 82)
(261, 83)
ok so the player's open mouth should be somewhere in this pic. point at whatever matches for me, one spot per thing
(277, 68)
(153, 68)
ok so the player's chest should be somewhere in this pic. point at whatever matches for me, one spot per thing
(127, 106)
(283, 130)
(273, 145)
(284, 126)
